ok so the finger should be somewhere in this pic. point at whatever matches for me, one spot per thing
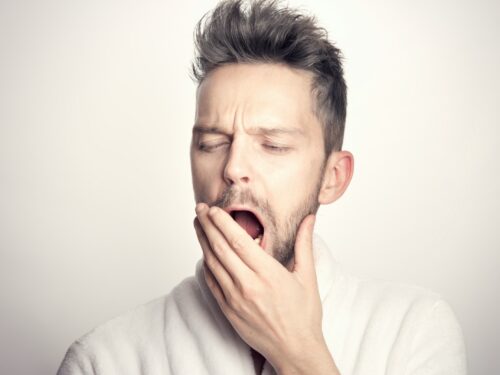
(304, 258)
(219, 296)
(214, 286)
(239, 240)
(232, 263)
(217, 269)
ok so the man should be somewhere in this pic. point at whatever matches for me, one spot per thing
(267, 298)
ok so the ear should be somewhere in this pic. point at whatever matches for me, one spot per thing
(336, 176)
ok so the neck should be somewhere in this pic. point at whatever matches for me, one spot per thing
(258, 361)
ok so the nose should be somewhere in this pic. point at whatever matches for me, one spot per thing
(237, 170)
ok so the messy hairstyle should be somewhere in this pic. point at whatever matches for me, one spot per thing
(263, 31)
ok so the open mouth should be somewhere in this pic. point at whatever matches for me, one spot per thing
(248, 221)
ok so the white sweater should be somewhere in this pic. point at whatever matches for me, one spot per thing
(371, 328)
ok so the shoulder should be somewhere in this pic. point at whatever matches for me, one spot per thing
(412, 327)
(379, 298)
(416, 312)
(144, 321)
(128, 340)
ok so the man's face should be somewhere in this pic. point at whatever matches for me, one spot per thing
(257, 150)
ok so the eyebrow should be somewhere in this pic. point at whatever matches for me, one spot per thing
(255, 130)
(202, 129)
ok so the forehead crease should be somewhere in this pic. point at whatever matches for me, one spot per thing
(279, 130)
(218, 111)
(253, 119)
(255, 97)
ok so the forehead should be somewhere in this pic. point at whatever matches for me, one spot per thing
(256, 95)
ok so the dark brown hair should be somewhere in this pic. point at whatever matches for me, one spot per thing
(259, 31)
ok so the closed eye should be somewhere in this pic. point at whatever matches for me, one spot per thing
(275, 148)
(210, 147)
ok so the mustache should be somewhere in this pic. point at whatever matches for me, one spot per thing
(234, 195)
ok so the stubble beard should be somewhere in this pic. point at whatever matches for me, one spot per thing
(283, 232)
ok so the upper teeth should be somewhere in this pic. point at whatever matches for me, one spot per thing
(258, 239)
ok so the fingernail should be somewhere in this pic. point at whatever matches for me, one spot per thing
(199, 207)
(212, 211)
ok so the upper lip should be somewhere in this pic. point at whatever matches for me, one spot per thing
(232, 208)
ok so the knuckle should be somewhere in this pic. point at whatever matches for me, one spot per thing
(233, 302)
(211, 263)
(217, 248)
(213, 211)
(249, 292)
(236, 243)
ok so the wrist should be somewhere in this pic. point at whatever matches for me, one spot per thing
(311, 359)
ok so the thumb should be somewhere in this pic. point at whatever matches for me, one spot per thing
(304, 259)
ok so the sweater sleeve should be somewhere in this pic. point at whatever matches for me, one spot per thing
(438, 345)
(76, 362)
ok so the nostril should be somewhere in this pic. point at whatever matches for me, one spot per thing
(237, 165)
(234, 175)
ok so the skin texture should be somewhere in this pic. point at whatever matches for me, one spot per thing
(256, 135)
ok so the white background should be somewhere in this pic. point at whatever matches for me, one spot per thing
(96, 201)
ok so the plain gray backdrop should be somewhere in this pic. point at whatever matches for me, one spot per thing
(96, 206)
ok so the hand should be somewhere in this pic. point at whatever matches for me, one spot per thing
(276, 312)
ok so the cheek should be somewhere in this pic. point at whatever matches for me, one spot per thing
(207, 178)
(291, 186)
